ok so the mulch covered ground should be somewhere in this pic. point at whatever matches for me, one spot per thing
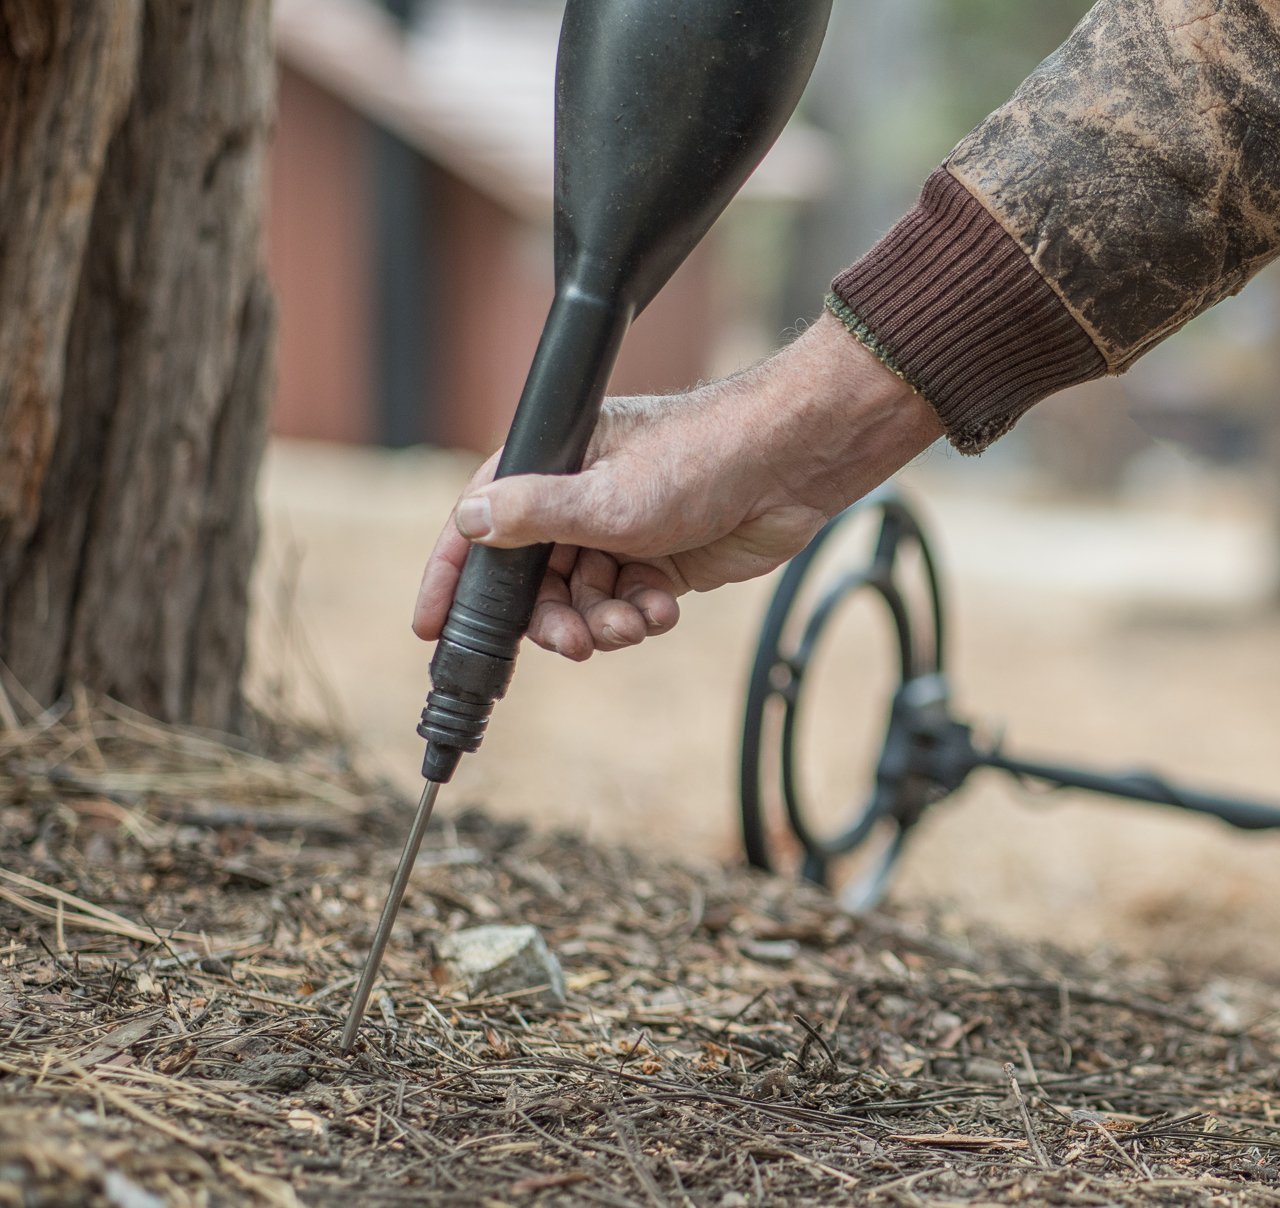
(183, 923)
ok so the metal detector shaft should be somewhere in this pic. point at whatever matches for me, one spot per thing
(1140, 786)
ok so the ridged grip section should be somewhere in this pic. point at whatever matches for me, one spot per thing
(498, 588)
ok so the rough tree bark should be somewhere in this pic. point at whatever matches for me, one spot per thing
(135, 345)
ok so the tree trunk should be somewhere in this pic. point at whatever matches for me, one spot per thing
(135, 346)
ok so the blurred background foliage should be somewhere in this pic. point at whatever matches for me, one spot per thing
(989, 46)
(898, 84)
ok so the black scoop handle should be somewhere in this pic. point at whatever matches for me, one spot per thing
(663, 109)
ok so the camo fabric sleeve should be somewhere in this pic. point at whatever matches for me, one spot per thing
(1131, 182)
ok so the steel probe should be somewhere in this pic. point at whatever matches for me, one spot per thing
(427, 803)
(663, 109)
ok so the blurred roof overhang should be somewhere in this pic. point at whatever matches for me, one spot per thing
(471, 89)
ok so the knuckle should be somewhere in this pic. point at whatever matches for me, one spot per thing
(615, 515)
(513, 505)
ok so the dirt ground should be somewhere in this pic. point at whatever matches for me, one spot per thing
(1126, 637)
(184, 920)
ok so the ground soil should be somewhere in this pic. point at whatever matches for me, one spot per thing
(185, 919)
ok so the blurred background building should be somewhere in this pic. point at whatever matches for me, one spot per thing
(409, 242)
(409, 233)
(409, 228)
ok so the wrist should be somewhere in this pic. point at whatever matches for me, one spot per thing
(950, 299)
(838, 420)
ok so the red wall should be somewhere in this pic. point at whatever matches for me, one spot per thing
(318, 225)
(497, 286)
(500, 289)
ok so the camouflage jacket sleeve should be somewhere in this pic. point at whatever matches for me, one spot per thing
(1131, 182)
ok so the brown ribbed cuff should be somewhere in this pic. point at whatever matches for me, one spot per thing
(949, 301)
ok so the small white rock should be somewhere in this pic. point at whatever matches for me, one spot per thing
(770, 952)
(122, 1192)
(503, 960)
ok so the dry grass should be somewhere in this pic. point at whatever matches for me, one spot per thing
(184, 921)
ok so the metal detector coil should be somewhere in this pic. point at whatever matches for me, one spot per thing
(927, 753)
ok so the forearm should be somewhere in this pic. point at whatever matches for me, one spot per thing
(1132, 182)
(830, 420)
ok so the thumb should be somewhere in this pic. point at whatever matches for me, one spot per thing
(527, 509)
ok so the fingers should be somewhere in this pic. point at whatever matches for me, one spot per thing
(439, 581)
(602, 607)
(651, 593)
(525, 509)
(556, 625)
(613, 623)
(440, 576)
(587, 601)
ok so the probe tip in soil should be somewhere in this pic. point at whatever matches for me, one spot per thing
(389, 911)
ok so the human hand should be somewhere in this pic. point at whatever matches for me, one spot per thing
(688, 492)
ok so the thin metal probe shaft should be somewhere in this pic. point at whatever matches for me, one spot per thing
(389, 911)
